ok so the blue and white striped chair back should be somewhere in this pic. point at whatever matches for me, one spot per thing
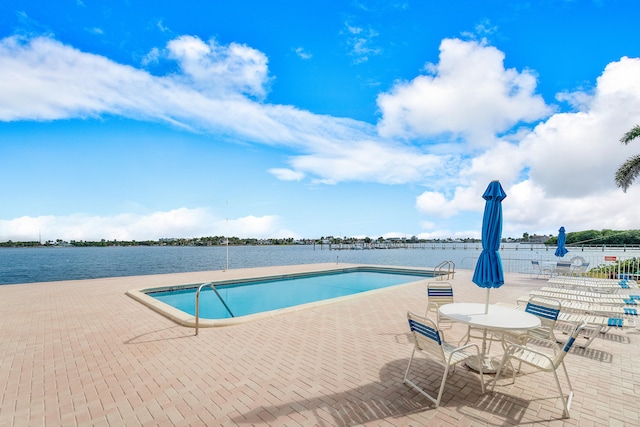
(425, 330)
(547, 310)
(543, 311)
(426, 335)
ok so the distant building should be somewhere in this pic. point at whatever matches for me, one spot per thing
(538, 239)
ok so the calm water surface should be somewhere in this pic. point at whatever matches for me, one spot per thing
(28, 265)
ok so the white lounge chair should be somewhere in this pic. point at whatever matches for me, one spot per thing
(587, 297)
(543, 362)
(593, 284)
(430, 341)
(624, 294)
(599, 319)
(569, 306)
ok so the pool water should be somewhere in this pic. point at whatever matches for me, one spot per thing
(272, 294)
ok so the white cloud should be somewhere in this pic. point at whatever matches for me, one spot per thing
(368, 161)
(360, 42)
(162, 27)
(95, 30)
(464, 198)
(559, 173)
(221, 70)
(39, 79)
(261, 227)
(42, 79)
(286, 174)
(152, 57)
(433, 203)
(181, 222)
(468, 93)
(302, 53)
(576, 154)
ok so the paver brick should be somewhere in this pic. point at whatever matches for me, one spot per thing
(83, 353)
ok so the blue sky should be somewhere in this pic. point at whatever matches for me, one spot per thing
(121, 120)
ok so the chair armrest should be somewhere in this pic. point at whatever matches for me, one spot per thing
(513, 347)
(462, 350)
(554, 345)
(464, 347)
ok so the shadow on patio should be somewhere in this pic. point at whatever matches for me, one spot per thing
(389, 398)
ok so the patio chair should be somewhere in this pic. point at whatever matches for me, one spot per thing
(545, 309)
(543, 362)
(581, 269)
(438, 294)
(563, 269)
(429, 340)
(540, 270)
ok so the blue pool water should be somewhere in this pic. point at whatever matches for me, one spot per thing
(273, 294)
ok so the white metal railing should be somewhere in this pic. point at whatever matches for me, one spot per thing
(198, 302)
(439, 270)
(599, 264)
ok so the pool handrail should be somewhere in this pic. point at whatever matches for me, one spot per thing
(451, 270)
(198, 302)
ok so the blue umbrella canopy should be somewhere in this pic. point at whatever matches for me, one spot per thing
(488, 273)
(562, 239)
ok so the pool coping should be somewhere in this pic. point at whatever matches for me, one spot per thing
(184, 319)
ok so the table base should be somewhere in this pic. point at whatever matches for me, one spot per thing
(490, 364)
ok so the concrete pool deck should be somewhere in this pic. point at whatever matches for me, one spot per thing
(84, 353)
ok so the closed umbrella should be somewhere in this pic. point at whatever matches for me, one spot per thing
(562, 239)
(488, 273)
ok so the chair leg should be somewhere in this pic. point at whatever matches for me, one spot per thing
(566, 374)
(467, 336)
(481, 374)
(406, 373)
(499, 371)
(566, 403)
(442, 383)
(415, 386)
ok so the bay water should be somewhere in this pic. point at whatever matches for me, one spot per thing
(46, 264)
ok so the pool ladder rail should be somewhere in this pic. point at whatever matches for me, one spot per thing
(198, 302)
(450, 268)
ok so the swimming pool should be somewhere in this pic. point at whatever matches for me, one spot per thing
(240, 300)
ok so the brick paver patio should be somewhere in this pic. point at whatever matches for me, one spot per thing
(84, 353)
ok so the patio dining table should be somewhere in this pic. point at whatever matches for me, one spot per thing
(497, 319)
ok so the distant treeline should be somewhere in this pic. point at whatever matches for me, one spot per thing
(585, 238)
(600, 237)
(198, 241)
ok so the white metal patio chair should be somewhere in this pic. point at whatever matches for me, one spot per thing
(545, 309)
(578, 266)
(543, 362)
(540, 270)
(429, 340)
(438, 294)
(563, 269)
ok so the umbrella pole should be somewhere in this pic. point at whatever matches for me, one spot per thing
(486, 304)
